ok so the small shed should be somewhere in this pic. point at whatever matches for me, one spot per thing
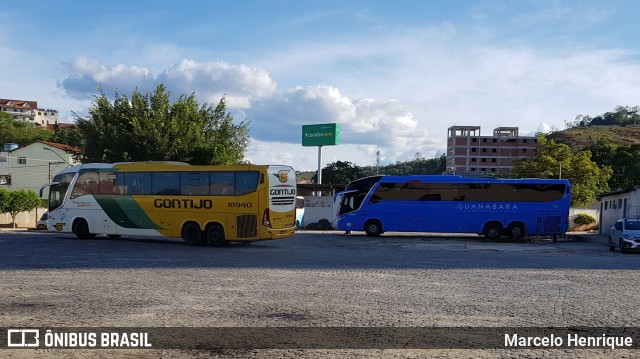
(620, 203)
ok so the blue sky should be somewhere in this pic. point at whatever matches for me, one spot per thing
(394, 74)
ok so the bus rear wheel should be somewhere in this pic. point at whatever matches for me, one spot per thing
(215, 236)
(192, 235)
(516, 231)
(81, 229)
(373, 228)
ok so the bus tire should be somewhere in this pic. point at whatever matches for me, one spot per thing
(81, 229)
(192, 235)
(516, 231)
(492, 230)
(215, 235)
(373, 228)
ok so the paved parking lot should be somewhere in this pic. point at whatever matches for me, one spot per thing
(316, 279)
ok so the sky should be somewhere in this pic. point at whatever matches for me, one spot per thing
(393, 74)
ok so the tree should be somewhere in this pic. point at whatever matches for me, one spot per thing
(68, 136)
(621, 116)
(150, 128)
(555, 160)
(340, 172)
(623, 160)
(20, 132)
(14, 202)
(418, 166)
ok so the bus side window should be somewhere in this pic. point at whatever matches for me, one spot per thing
(108, 183)
(222, 183)
(194, 183)
(166, 183)
(138, 183)
(247, 182)
(87, 183)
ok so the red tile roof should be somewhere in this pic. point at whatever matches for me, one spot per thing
(62, 146)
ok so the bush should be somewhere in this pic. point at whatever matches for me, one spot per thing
(584, 219)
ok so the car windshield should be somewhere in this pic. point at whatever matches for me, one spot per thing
(632, 225)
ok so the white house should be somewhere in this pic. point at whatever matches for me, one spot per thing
(622, 203)
(30, 166)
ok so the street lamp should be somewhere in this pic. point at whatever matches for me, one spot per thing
(56, 153)
(55, 163)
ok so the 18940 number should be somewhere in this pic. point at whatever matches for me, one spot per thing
(240, 204)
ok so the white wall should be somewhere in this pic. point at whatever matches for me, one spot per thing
(317, 208)
(23, 219)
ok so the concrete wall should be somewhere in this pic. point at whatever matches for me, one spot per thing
(23, 219)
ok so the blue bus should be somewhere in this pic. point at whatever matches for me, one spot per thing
(454, 204)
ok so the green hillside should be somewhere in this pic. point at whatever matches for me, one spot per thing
(584, 137)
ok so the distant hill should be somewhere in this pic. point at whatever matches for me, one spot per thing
(584, 137)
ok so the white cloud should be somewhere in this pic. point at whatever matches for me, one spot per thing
(210, 81)
(85, 76)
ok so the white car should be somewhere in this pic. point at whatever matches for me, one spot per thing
(625, 234)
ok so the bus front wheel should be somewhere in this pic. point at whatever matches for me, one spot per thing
(192, 235)
(493, 231)
(81, 229)
(215, 235)
(373, 228)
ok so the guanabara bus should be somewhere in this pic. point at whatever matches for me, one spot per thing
(200, 204)
(455, 204)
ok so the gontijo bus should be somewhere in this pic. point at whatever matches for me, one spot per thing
(200, 204)
(455, 204)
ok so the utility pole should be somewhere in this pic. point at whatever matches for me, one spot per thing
(560, 174)
(377, 161)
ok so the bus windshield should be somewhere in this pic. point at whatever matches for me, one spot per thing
(58, 190)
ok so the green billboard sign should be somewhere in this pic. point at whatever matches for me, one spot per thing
(326, 134)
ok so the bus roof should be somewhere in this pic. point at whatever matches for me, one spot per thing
(461, 179)
(161, 166)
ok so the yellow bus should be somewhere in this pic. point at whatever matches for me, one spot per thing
(200, 204)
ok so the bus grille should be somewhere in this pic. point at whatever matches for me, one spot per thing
(247, 225)
(281, 201)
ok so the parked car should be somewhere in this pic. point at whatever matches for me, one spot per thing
(625, 235)
(42, 222)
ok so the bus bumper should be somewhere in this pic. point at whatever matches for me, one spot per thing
(280, 233)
